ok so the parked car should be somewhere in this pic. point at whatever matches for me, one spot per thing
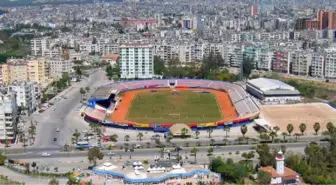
(45, 154)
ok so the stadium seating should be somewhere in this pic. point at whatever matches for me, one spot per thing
(241, 100)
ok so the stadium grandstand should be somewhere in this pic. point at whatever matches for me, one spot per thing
(105, 98)
(271, 91)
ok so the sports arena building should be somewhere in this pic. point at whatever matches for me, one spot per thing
(271, 91)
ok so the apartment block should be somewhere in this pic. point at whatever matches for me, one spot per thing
(27, 94)
(280, 62)
(136, 61)
(317, 65)
(8, 115)
(58, 67)
(330, 66)
(299, 63)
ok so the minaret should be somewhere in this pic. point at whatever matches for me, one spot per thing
(280, 162)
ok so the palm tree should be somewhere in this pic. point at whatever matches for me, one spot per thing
(284, 134)
(140, 135)
(330, 128)
(82, 92)
(200, 183)
(212, 141)
(76, 135)
(317, 127)
(209, 130)
(297, 135)
(276, 129)
(226, 130)
(243, 130)
(126, 138)
(194, 151)
(148, 144)
(161, 151)
(302, 128)
(273, 134)
(197, 133)
(290, 128)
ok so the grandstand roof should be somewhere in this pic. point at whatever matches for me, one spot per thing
(102, 92)
(271, 86)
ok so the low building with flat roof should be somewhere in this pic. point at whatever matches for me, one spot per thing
(271, 91)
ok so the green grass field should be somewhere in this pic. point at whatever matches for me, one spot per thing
(177, 107)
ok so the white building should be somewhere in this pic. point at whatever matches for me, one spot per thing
(8, 115)
(317, 65)
(58, 67)
(271, 91)
(27, 94)
(136, 61)
(330, 66)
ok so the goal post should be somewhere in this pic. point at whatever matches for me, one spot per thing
(175, 116)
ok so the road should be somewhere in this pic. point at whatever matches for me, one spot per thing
(58, 116)
(296, 147)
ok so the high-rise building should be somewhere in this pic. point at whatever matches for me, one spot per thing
(254, 10)
(280, 62)
(136, 61)
(317, 65)
(26, 95)
(313, 24)
(322, 17)
(8, 116)
(332, 20)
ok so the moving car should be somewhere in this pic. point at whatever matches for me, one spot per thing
(45, 154)
(111, 154)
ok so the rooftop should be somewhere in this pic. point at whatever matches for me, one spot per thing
(102, 92)
(266, 84)
(287, 172)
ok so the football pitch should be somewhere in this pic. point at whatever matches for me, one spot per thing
(174, 107)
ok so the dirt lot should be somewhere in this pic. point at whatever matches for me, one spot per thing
(282, 115)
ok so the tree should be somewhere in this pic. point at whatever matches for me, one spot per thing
(209, 131)
(194, 151)
(87, 89)
(317, 127)
(284, 134)
(297, 135)
(159, 67)
(148, 144)
(76, 135)
(126, 138)
(94, 154)
(273, 134)
(82, 92)
(184, 132)
(264, 178)
(302, 128)
(290, 129)
(53, 182)
(248, 156)
(114, 138)
(140, 135)
(276, 129)
(226, 130)
(3, 158)
(243, 130)
(200, 183)
(197, 133)
(210, 150)
(266, 158)
(247, 66)
(212, 142)
(78, 71)
(331, 128)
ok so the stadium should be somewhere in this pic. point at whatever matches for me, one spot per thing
(159, 104)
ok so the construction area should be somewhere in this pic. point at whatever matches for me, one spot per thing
(282, 115)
